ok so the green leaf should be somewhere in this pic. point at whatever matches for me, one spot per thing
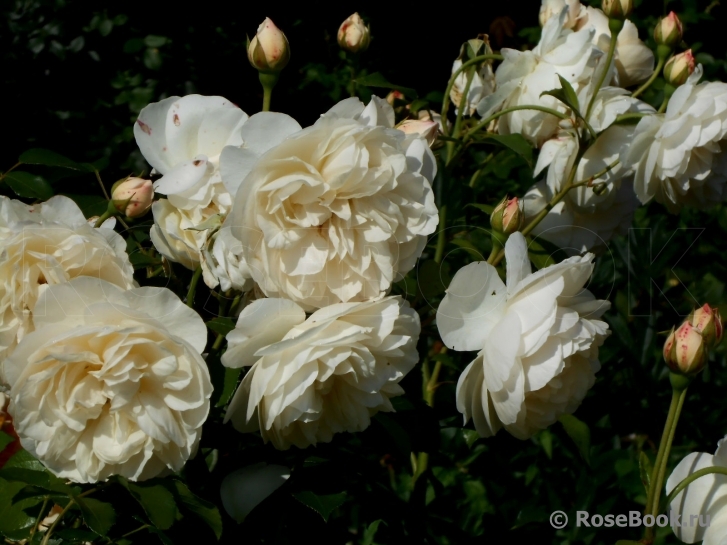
(24, 460)
(40, 156)
(546, 441)
(201, 508)
(158, 502)
(41, 479)
(370, 532)
(486, 208)
(566, 94)
(221, 325)
(5, 440)
(579, 432)
(377, 79)
(516, 143)
(74, 535)
(645, 470)
(164, 538)
(229, 385)
(323, 505)
(139, 260)
(12, 517)
(99, 516)
(470, 437)
(29, 185)
(154, 41)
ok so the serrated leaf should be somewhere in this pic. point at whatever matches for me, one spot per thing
(579, 432)
(40, 156)
(377, 79)
(30, 186)
(164, 538)
(74, 535)
(516, 143)
(470, 437)
(220, 325)
(323, 505)
(99, 516)
(645, 470)
(40, 479)
(12, 517)
(201, 508)
(158, 502)
(139, 260)
(565, 94)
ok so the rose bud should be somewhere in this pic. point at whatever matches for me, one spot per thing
(268, 51)
(353, 34)
(679, 68)
(708, 322)
(426, 129)
(507, 217)
(617, 9)
(395, 96)
(668, 31)
(684, 350)
(133, 196)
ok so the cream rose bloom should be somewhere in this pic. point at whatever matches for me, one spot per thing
(312, 378)
(524, 75)
(335, 212)
(182, 138)
(223, 264)
(553, 8)
(705, 499)
(111, 382)
(46, 244)
(680, 157)
(537, 337)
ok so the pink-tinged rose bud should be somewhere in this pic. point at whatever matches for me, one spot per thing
(679, 68)
(395, 96)
(133, 196)
(507, 217)
(708, 322)
(617, 9)
(268, 51)
(353, 34)
(426, 129)
(668, 30)
(684, 350)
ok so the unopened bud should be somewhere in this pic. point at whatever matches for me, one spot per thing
(684, 350)
(426, 129)
(353, 34)
(668, 31)
(507, 217)
(617, 9)
(708, 322)
(268, 51)
(395, 96)
(679, 68)
(133, 196)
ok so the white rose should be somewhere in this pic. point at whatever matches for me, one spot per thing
(524, 75)
(680, 157)
(704, 499)
(575, 228)
(328, 374)
(46, 244)
(553, 8)
(182, 138)
(633, 60)
(537, 337)
(111, 383)
(335, 212)
(223, 264)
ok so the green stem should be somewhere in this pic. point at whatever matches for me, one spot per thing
(193, 286)
(679, 392)
(441, 236)
(597, 174)
(39, 518)
(268, 81)
(465, 65)
(8, 171)
(46, 538)
(693, 477)
(615, 26)
(627, 117)
(102, 218)
(652, 78)
(460, 114)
